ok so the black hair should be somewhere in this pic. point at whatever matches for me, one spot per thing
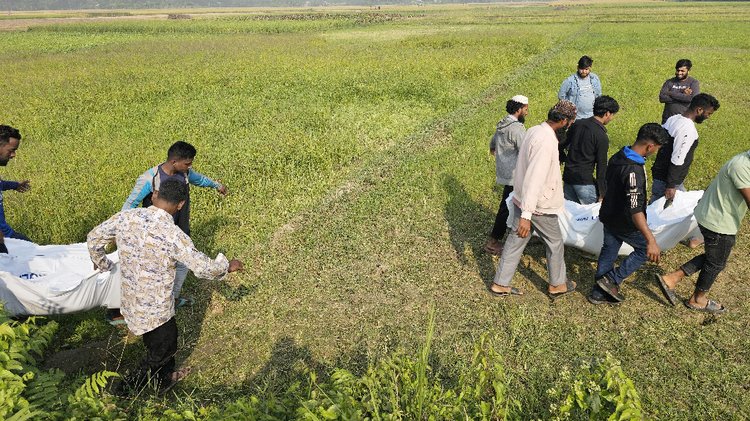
(683, 62)
(181, 150)
(7, 132)
(704, 101)
(585, 62)
(605, 103)
(173, 191)
(653, 132)
(512, 106)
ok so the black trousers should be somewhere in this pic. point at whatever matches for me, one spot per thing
(717, 248)
(502, 215)
(159, 363)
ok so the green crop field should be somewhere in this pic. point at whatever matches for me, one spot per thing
(354, 146)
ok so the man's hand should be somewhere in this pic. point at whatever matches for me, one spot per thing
(24, 186)
(653, 252)
(670, 193)
(492, 152)
(235, 265)
(222, 189)
(2, 237)
(688, 91)
(524, 228)
(601, 199)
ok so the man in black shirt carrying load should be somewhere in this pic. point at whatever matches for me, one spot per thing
(623, 214)
(587, 146)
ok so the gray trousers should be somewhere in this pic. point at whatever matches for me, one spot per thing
(548, 229)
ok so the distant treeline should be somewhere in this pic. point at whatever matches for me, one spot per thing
(20, 5)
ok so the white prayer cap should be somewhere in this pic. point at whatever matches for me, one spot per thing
(520, 99)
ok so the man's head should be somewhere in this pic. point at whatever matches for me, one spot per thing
(518, 106)
(584, 66)
(682, 68)
(562, 115)
(171, 195)
(651, 137)
(605, 107)
(702, 106)
(10, 139)
(181, 155)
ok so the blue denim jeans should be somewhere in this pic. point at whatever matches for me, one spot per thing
(608, 256)
(584, 194)
(658, 187)
(717, 249)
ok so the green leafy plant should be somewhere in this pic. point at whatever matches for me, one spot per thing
(599, 390)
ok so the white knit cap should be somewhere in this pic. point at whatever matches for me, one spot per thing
(520, 99)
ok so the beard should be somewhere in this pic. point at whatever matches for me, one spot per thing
(522, 119)
(3, 162)
(700, 118)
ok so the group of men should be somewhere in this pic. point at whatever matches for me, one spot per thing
(155, 251)
(575, 134)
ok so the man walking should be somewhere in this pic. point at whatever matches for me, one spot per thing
(149, 246)
(582, 88)
(504, 145)
(587, 146)
(537, 201)
(623, 214)
(719, 214)
(677, 92)
(178, 166)
(673, 160)
(10, 140)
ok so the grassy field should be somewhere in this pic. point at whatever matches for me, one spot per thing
(354, 145)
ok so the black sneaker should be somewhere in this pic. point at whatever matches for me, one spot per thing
(598, 297)
(610, 288)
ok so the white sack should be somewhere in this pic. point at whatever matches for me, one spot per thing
(581, 228)
(55, 279)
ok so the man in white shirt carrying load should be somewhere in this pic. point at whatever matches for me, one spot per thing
(538, 198)
(674, 159)
(150, 245)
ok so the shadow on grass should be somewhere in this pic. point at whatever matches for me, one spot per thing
(468, 222)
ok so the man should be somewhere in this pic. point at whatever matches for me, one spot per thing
(673, 160)
(10, 140)
(587, 144)
(677, 92)
(537, 201)
(623, 214)
(149, 246)
(719, 214)
(504, 145)
(178, 166)
(582, 88)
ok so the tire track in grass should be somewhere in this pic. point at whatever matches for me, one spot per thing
(436, 132)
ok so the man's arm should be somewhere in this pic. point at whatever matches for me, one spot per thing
(202, 266)
(564, 88)
(596, 84)
(683, 142)
(4, 227)
(664, 94)
(197, 179)
(97, 240)
(8, 185)
(143, 187)
(746, 194)
(652, 249)
(540, 158)
(636, 198)
(602, 148)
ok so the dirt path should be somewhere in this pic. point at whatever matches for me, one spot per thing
(24, 24)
